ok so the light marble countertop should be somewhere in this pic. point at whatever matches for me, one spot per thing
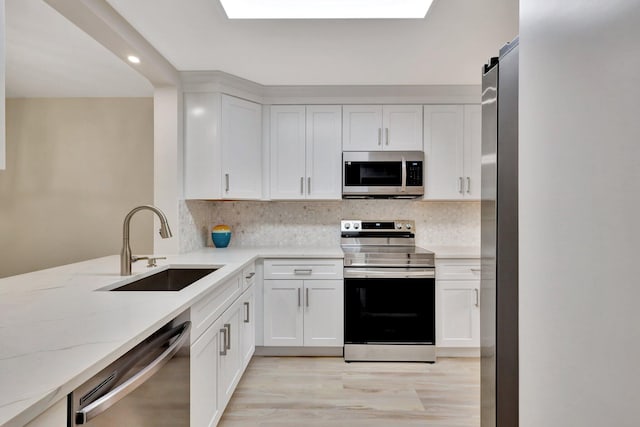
(455, 251)
(58, 328)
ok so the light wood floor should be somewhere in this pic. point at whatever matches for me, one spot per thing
(326, 391)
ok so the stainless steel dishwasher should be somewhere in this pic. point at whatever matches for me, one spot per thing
(148, 386)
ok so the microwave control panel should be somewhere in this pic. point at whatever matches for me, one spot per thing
(414, 174)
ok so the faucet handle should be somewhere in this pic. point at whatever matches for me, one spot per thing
(151, 261)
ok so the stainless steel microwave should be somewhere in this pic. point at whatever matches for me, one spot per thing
(382, 174)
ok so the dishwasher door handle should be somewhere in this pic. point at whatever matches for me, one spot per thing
(94, 409)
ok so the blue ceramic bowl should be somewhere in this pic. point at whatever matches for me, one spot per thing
(221, 239)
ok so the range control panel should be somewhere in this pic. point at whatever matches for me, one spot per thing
(356, 225)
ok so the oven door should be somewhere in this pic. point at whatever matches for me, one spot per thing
(389, 306)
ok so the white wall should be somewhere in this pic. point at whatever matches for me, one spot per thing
(75, 167)
(579, 213)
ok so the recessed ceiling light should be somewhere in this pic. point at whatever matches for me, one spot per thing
(133, 59)
(326, 9)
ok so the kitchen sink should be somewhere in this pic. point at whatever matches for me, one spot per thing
(173, 279)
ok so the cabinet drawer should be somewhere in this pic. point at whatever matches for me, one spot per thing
(306, 269)
(248, 276)
(212, 305)
(459, 269)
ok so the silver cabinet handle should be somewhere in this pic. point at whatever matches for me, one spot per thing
(301, 185)
(223, 352)
(105, 402)
(253, 273)
(379, 136)
(226, 182)
(307, 297)
(477, 297)
(309, 185)
(460, 185)
(404, 175)
(387, 132)
(228, 326)
(475, 269)
(246, 319)
(303, 271)
(468, 185)
(299, 303)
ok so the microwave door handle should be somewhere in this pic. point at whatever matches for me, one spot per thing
(404, 175)
(105, 402)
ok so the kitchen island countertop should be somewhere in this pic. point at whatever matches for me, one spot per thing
(58, 328)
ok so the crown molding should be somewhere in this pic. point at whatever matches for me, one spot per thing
(219, 81)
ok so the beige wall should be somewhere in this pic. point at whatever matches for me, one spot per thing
(75, 167)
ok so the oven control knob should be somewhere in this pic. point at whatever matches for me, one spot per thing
(347, 225)
(399, 226)
(408, 226)
(356, 226)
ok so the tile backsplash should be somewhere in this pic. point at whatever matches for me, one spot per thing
(317, 223)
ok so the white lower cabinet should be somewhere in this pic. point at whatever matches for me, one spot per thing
(283, 321)
(230, 357)
(323, 313)
(458, 304)
(248, 326)
(304, 312)
(219, 357)
(205, 407)
(55, 416)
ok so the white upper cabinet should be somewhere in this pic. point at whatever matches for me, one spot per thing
(472, 150)
(305, 152)
(324, 153)
(382, 128)
(288, 152)
(362, 127)
(452, 146)
(222, 147)
(241, 148)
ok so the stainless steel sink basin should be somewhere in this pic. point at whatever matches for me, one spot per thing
(173, 279)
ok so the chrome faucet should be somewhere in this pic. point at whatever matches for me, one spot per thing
(125, 255)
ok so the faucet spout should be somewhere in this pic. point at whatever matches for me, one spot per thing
(125, 255)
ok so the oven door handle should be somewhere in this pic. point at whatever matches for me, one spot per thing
(356, 273)
(105, 402)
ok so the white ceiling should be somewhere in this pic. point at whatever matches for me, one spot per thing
(449, 46)
(47, 56)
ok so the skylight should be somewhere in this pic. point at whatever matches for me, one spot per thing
(326, 9)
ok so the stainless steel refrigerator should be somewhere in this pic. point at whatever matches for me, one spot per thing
(499, 240)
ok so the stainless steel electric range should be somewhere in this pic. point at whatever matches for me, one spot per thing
(389, 293)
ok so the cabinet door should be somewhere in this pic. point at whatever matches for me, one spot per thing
(241, 149)
(362, 128)
(472, 150)
(230, 357)
(202, 162)
(55, 416)
(288, 152)
(283, 322)
(205, 406)
(323, 313)
(324, 152)
(443, 147)
(458, 313)
(248, 326)
(402, 126)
